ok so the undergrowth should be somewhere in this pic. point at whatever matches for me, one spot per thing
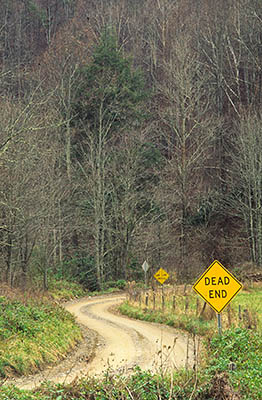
(250, 299)
(238, 352)
(233, 370)
(142, 385)
(183, 321)
(33, 334)
(231, 365)
(63, 290)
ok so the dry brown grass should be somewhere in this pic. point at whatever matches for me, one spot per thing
(180, 300)
(24, 296)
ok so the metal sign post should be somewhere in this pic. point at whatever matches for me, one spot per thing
(217, 286)
(161, 276)
(219, 324)
(145, 267)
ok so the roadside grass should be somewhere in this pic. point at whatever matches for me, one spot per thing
(34, 330)
(238, 355)
(213, 383)
(141, 385)
(234, 359)
(182, 308)
(172, 306)
(33, 334)
(231, 363)
(62, 290)
(250, 299)
(185, 322)
(215, 380)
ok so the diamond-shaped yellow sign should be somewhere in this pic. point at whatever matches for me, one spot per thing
(161, 275)
(217, 286)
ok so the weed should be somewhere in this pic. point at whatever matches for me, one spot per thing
(251, 300)
(186, 322)
(239, 353)
(33, 334)
(62, 290)
(232, 367)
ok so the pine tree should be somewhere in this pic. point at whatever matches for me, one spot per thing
(110, 96)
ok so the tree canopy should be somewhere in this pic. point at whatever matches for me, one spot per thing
(129, 130)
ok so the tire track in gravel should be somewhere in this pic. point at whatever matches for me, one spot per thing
(125, 343)
(115, 344)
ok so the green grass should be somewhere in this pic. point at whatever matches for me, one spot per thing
(237, 348)
(185, 322)
(213, 383)
(214, 379)
(251, 300)
(32, 335)
(186, 313)
(62, 290)
(141, 385)
(35, 333)
(242, 349)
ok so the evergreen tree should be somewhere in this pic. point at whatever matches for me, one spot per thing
(109, 91)
(109, 107)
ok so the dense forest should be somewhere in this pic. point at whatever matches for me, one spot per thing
(130, 131)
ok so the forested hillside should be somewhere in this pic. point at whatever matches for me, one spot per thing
(130, 130)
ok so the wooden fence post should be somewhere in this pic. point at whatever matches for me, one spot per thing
(146, 299)
(247, 319)
(154, 300)
(197, 305)
(229, 315)
(174, 302)
(187, 352)
(163, 298)
(239, 313)
(186, 303)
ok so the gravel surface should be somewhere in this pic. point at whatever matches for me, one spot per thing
(115, 344)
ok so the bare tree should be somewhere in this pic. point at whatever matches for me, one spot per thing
(26, 151)
(188, 131)
(229, 40)
(108, 103)
(244, 200)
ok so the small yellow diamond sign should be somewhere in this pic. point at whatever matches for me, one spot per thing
(161, 275)
(217, 286)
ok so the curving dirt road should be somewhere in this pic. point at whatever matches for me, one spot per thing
(116, 343)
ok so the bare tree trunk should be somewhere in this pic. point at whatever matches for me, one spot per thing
(9, 260)
(246, 171)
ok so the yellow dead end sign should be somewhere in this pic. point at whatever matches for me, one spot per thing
(217, 286)
(161, 276)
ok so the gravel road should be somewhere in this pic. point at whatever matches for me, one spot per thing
(115, 343)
